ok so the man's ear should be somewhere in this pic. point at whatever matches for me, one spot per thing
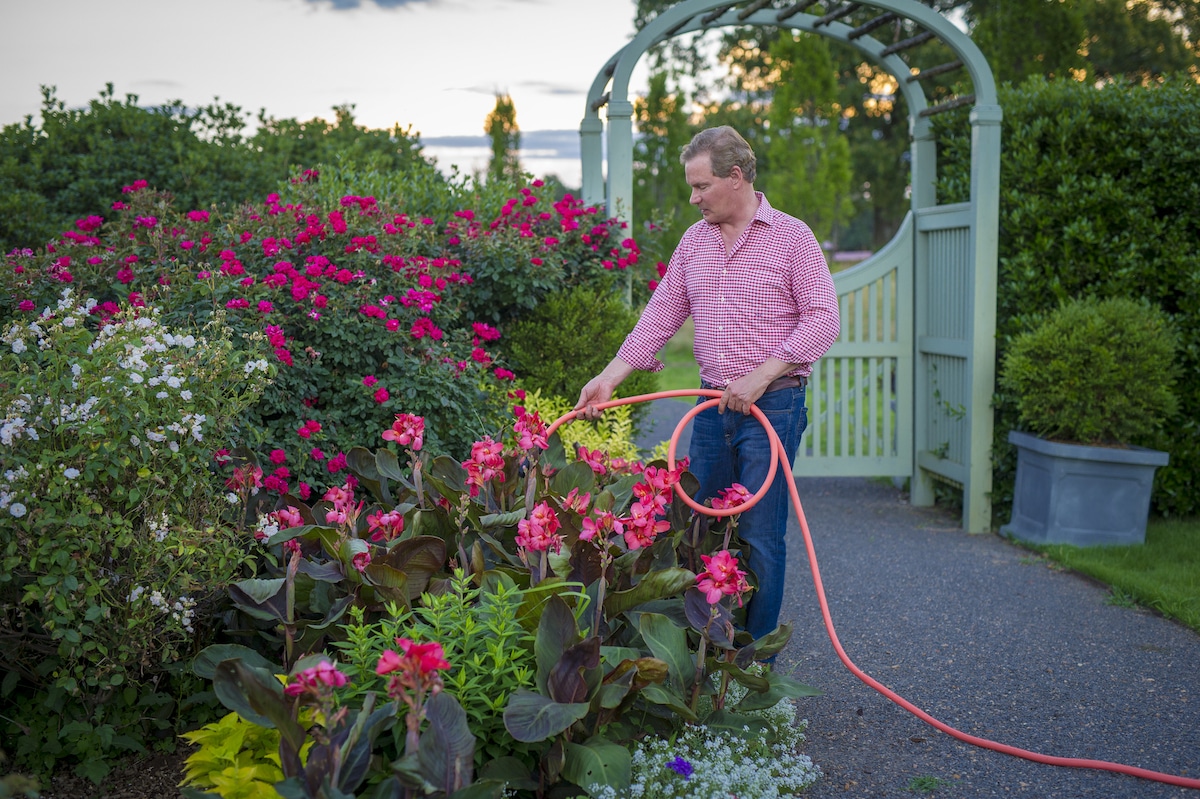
(735, 172)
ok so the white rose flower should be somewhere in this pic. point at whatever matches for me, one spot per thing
(17, 509)
(70, 473)
(185, 395)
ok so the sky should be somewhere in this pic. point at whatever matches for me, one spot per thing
(434, 65)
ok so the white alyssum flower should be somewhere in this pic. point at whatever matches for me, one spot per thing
(722, 764)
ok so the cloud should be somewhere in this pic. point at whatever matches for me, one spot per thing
(554, 88)
(545, 143)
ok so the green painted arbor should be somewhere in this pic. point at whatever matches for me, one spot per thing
(906, 390)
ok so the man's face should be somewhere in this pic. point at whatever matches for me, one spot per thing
(713, 196)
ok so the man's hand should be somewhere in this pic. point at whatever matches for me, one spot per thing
(742, 393)
(745, 391)
(600, 389)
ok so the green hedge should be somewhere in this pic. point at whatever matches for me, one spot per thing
(1099, 193)
(73, 162)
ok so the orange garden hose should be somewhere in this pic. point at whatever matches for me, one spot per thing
(779, 458)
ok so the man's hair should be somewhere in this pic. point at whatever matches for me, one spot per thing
(726, 148)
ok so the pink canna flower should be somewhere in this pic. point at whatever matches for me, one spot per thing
(539, 532)
(731, 497)
(721, 577)
(594, 459)
(385, 526)
(316, 679)
(407, 431)
(361, 561)
(531, 432)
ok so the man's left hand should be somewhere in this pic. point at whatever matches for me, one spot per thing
(742, 393)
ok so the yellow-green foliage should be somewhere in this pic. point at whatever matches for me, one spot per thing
(236, 759)
(612, 434)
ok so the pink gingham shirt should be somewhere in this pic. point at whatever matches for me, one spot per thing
(771, 296)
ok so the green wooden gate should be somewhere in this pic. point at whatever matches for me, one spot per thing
(906, 390)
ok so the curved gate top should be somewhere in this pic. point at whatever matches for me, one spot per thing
(906, 390)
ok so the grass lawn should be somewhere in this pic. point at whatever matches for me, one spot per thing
(1163, 574)
(680, 367)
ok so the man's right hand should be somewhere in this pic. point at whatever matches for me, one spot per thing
(600, 389)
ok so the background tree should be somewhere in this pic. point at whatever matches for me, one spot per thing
(501, 128)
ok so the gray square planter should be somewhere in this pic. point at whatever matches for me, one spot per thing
(1075, 494)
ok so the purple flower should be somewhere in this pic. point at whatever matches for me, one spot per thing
(681, 767)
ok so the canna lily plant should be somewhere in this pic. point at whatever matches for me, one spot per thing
(630, 602)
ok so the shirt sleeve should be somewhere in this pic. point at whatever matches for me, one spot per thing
(819, 323)
(665, 313)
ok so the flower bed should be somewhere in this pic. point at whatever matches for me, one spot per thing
(235, 451)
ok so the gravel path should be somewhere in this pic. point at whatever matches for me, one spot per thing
(984, 636)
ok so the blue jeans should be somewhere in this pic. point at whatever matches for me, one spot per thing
(733, 448)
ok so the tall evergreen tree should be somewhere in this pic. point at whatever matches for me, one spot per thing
(501, 128)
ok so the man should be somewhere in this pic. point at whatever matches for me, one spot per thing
(755, 282)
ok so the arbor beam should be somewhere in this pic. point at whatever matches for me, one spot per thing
(793, 10)
(832, 16)
(919, 39)
(949, 105)
(750, 9)
(867, 27)
(940, 69)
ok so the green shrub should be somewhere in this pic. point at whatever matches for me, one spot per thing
(569, 338)
(1098, 372)
(1098, 197)
(72, 162)
(112, 564)
(611, 434)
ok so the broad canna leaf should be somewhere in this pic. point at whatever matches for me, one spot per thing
(655, 585)
(779, 687)
(598, 762)
(577, 475)
(326, 572)
(669, 643)
(509, 519)
(262, 599)
(556, 632)
(447, 751)
(205, 663)
(419, 559)
(358, 748)
(531, 717)
(361, 461)
(388, 465)
(714, 621)
(668, 698)
(566, 681)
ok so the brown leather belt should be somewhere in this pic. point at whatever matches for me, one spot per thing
(787, 381)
